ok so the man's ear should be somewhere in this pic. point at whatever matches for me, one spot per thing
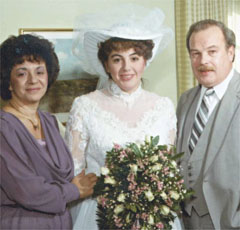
(231, 53)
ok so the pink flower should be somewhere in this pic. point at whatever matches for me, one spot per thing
(118, 222)
(169, 202)
(136, 225)
(131, 177)
(144, 216)
(181, 181)
(122, 154)
(166, 169)
(102, 200)
(131, 186)
(116, 146)
(159, 185)
(155, 209)
(160, 225)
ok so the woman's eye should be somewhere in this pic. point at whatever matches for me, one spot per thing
(21, 74)
(135, 58)
(40, 73)
(116, 60)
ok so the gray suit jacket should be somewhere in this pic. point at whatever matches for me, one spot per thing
(221, 166)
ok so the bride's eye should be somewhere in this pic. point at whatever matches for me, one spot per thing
(135, 58)
(116, 60)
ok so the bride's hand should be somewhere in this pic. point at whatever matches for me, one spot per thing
(85, 183)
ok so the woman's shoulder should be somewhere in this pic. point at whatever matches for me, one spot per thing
(10, 125)
(86, 100)
(5, 120)
(151, 96)
(86, 97)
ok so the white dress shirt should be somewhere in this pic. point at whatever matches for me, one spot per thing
(219, 91)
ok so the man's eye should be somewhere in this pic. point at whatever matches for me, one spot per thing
(212, 52)
(195, 54)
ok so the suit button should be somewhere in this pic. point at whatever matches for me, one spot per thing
(190, 174)
(189, 167)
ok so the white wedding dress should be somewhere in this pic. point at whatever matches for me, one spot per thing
(104, 117)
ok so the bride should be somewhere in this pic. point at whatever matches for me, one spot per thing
(122, 111)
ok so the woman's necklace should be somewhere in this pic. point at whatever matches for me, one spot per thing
(35, 122)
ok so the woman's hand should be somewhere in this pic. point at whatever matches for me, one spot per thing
(85, 183)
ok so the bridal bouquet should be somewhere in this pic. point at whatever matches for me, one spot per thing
(140, 187)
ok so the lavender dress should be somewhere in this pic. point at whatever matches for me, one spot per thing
(35, 177)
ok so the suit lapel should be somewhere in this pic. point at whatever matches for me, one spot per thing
(189, 107)
(229, 103)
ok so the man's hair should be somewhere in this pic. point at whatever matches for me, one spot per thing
(228, 34)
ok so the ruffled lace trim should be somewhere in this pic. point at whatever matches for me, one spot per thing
(128, 99)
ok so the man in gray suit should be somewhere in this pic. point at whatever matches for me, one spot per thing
(209, 130)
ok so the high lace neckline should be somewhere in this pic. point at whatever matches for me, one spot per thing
(128, 98)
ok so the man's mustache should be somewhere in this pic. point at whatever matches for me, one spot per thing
(204, 68)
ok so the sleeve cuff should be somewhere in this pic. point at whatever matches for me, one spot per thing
(71, 192)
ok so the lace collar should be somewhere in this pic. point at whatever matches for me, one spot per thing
(128, 99)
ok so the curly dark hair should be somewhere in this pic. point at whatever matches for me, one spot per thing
(17, 49)
(142, 48)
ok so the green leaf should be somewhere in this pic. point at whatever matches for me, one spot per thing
(189, 193)
(136, 150)
(177, 156)
(133, 208)
(155, 141)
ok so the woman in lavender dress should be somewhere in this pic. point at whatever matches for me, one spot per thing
(37, 180)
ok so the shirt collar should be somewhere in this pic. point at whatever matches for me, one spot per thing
(221, 88)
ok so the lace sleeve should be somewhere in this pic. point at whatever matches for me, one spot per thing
(172, 122)
(76, 135)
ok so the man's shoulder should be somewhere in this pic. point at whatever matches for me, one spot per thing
(186, 94)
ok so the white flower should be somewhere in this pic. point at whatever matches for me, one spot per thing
(174, 195)
(171, 174)
(154, 158)
(156, 167)
(151, 220)
(149, 195)
(109, 180)
(144, 228)
(118, 209)
(174, 164)
(164, 210)
(121, 197)
(163, 195)
(133, 168)
(104, 171)
(147, 138)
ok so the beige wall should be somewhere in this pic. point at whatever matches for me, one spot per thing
(14, 14)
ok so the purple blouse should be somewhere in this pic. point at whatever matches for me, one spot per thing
(35, 179)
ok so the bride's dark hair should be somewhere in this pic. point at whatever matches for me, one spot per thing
(141, 47)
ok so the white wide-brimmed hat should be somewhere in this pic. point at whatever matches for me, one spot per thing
(128, 21)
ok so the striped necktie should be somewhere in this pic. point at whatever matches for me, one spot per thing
(200, 120)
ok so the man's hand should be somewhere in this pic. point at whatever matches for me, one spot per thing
(85, 183)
